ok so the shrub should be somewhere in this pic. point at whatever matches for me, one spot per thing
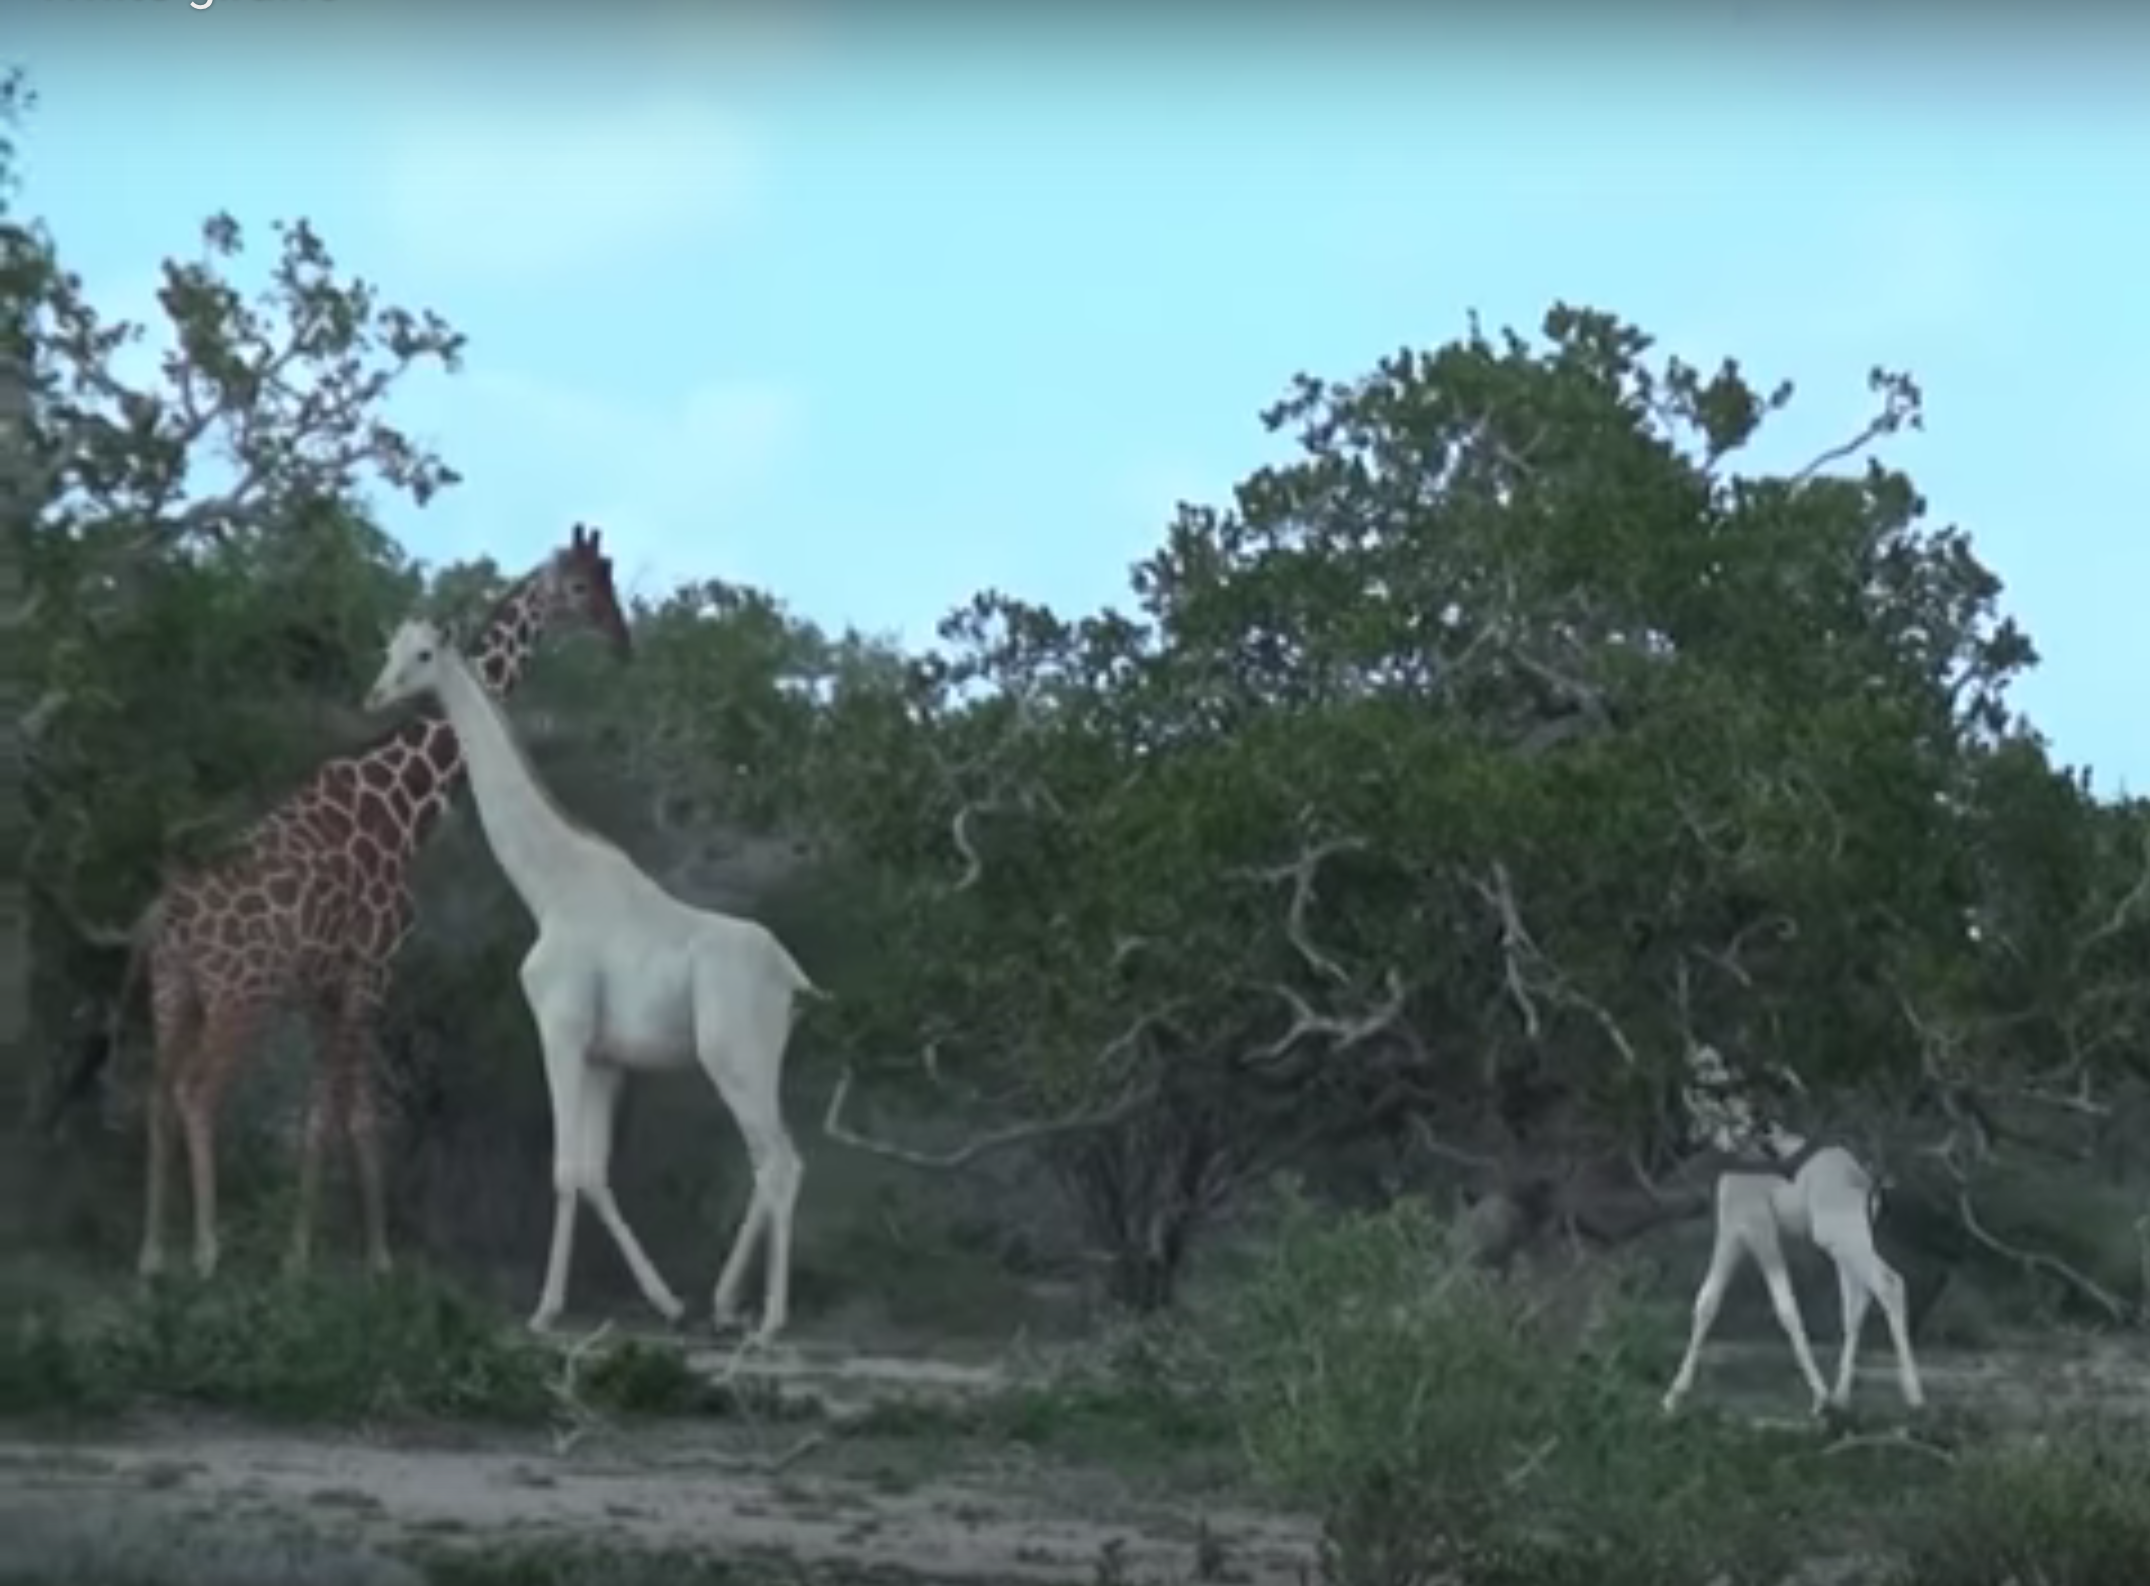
(1442, 1430)
(324, 1349)
(2065, 1510)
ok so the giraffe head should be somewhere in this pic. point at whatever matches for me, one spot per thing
(416, 651)
(578, 579)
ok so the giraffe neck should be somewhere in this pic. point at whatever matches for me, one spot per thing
(426, 757)
(540, 851)
(512, 631)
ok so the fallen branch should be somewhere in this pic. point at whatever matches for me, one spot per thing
(566, 1392)
(1900, 1437)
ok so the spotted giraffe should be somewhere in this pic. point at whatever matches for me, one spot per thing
(311, 907)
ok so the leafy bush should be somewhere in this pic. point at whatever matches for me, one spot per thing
(1442, 1429)
(2067, 1510)
(318, 1350)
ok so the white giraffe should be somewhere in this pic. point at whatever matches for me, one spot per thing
(1780, 1186)
(623, 977)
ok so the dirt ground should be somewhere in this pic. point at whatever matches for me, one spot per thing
(173, 1499)
(236, 1494)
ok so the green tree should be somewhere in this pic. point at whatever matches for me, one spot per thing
(193, 560)
(1446, 781)
(17, 510)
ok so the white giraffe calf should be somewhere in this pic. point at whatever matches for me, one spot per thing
(1781, 1186)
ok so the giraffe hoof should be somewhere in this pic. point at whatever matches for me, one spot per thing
(542, 1322)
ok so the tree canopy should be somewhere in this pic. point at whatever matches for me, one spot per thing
(1433, 792)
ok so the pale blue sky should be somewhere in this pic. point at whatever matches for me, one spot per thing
(877, 316)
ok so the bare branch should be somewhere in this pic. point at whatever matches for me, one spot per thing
(1430, 1144)
(1899, 407)
(2035, 1260)
(1133, 1098)
(2079, 1101)
(1000, 797)
(1125, 948)
(1303, 874)
(959, 834)
(92, 932)
(1524, 962)
(1727, 958)
(1518, 460)
(1517, 948)
(984, 1145)
(1343, 1033)
(1602, 1017)
(2123, 912)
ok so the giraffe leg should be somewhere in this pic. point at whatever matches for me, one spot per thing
(1768, 1245)
(564, 1033)
(1844, 1228)
(225, 1032)
(342, 1088)
(600, 1099)
(1853, 1296)
(313, 1141)
(363, 1121)
(1727, 1251)
(359, 1063)
(743, 1051)
(177, 1029)
(158, 1172)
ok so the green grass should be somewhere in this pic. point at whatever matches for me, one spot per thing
(325, 1349)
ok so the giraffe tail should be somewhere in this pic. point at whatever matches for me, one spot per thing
(97, 1056)
(801, 982)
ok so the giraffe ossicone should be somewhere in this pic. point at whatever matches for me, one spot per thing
(310, 907)
(624, 977)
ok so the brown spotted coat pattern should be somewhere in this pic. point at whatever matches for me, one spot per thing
(310, 910)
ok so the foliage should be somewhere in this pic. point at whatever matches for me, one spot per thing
(1415, 808)
(2072, 1512)
(323, 1351)
(1442, 1428)
(1466, 766)
(201, 568)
